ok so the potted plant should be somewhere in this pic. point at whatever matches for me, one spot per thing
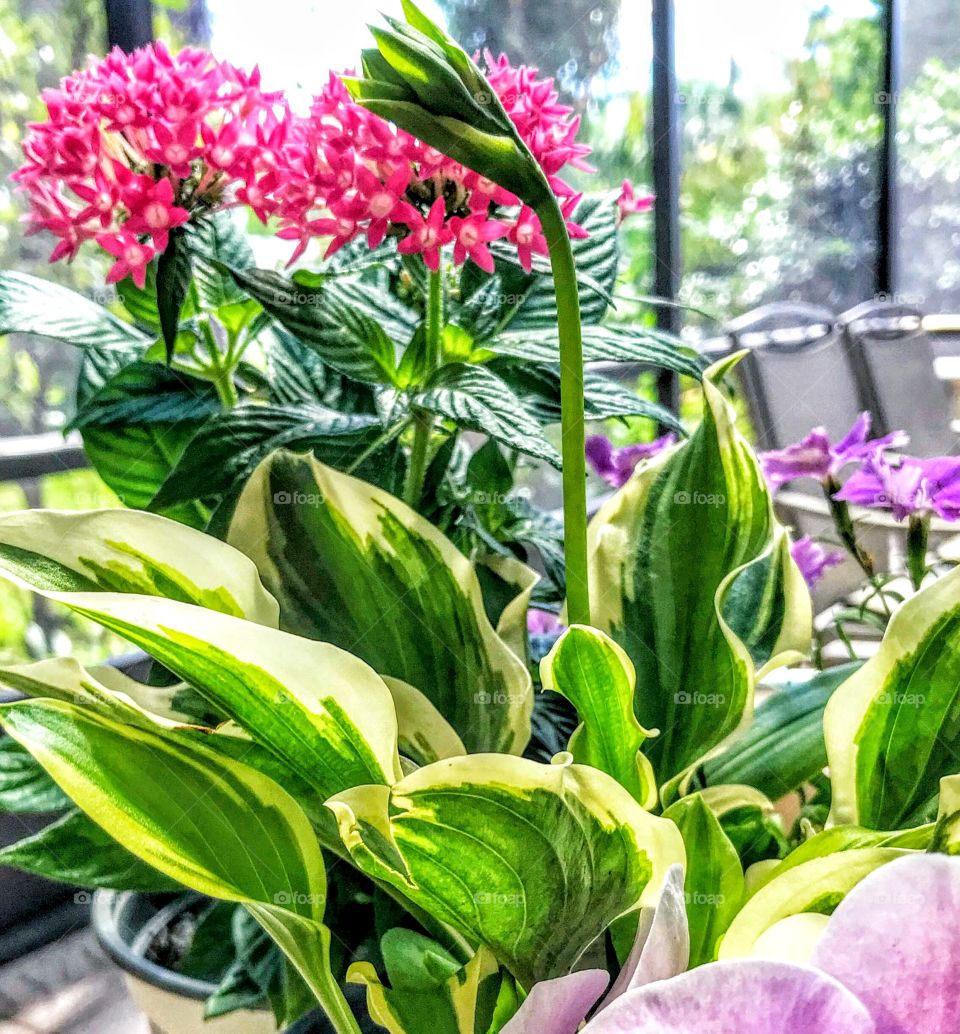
(350, 703)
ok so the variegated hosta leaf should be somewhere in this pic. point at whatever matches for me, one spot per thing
(690, 573)
(596, 676)
(103, 689)
(76, 850)
(893, 728)
(946, 836)
(814, 885)
(533, 861)
(429, 992)
(213, 824)
(713, 884)
(424, 735)
(125, 551)
(325, 713)
(353, 565)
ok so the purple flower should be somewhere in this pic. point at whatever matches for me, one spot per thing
(907, 486)
(542, 622)
(813, 560)
(815, 457)
(616, 465)
(885, 963)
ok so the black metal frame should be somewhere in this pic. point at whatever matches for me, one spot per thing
(129, 23)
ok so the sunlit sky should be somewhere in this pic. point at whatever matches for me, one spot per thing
(297, 41)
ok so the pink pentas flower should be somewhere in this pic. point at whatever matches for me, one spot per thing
(816, 457)
(630, 203)
(413, 192)
(137, 144)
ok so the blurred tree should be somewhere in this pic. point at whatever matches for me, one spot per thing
(574, 40)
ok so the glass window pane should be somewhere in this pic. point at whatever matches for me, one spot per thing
(781, 147)
(40, 42)
(928, 142)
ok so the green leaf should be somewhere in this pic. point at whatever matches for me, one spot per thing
(345, 337)
(75, 850)
(356, 567)
(597, 259)
(217, 826)
(136, 424)
(783, 747)
(547, 856)
(25, 789)
(174, 273)
(224, 453)
(322, 712)
(123, 551)
(604, 344)
(713, 884)
(814, 883)
(429, 992)
(695, 520)
(29, 305)
(477, 400)
(596, 676)
(217, 240)
(891, 728)
(946, 835)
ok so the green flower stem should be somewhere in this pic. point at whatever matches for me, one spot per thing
(423, 421)
(843, 522)
(918, 534)
(573, 442)
(226, 389)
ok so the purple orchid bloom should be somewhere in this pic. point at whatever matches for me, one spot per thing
(815, 457)
(616, 466)
(885, 963)
(907, 487)
(542, 622)
(813, 560)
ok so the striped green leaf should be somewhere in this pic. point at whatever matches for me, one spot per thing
(217, 826)
(713, 882)
(29, 305)
(25, 788)
(596, 676)
(893, 728)
(533, 861)
(348, 339)
(692, 576)
(121, 551)
(354, 566)
(323, 712)
(476, 399)
(428, 991)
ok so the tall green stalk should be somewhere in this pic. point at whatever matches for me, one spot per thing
(423, 421)
(573, 440)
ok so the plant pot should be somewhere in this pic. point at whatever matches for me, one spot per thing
(126, 923)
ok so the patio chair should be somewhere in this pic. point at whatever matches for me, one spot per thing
(797, 373)
(894, 357)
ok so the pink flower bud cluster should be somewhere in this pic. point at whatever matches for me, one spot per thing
(347, 172)
(138, 143)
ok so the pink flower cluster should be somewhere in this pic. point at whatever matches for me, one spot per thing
(138, 143)
(347, 172)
